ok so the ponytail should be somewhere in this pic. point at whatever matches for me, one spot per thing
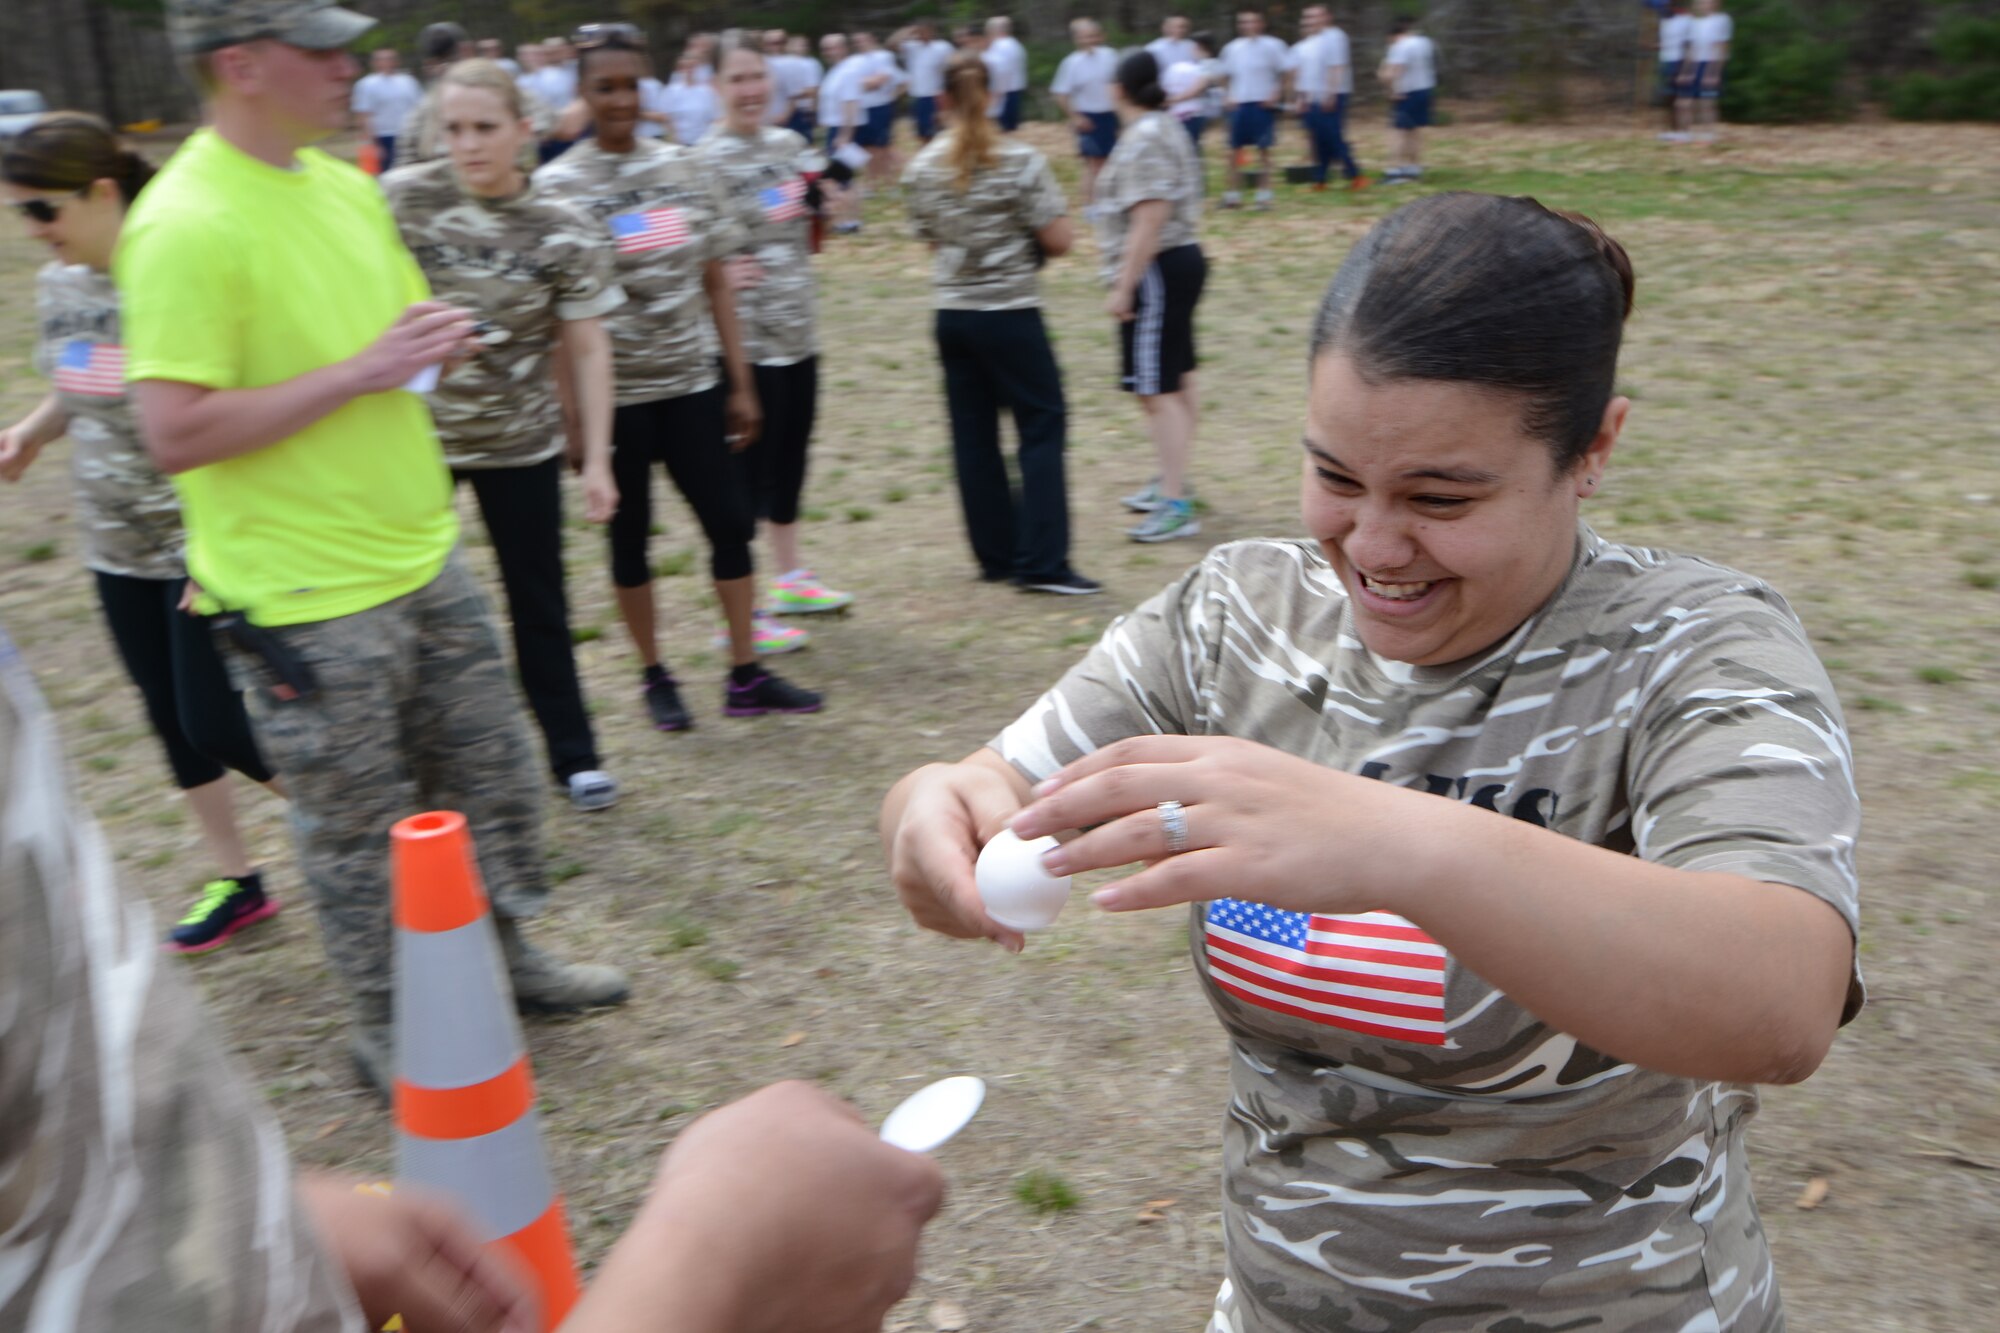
(973, 136)
(70, 150)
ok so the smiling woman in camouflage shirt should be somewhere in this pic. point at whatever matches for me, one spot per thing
(1517, 856)
(71, 182)
(674, 230)
(538, 275)
(760, 167)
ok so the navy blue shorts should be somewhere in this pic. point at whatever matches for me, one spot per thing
(1195, 125)
(801, 124)
(1010, 111)
(923, 110)
(1103, 135)
(1411, 111)
(1670, 79)
(875, 131)
(1252, 125)
(1700, 87)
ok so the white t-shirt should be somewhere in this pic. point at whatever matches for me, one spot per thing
(1337, 59)
(1674, 36)
(554, 84)
(1416, 59)
(1180, 79)
(692, 106)
(652, 97)
(1256, 67)
(926, 62)
(842, 84)
(1085, 78)
(1007, 59)
(881, 62)
(1171, 51)
(1707, 35)
(1303, 63)
(386, 99)
(513, 68)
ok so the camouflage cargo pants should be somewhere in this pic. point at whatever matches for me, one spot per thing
(414, 711)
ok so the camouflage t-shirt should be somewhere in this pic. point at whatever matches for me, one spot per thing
(1406, 1148)
(521, 265)
(984, 236)
(761, 177)
(669, 219)
(128, 513)
(1154, 159)
(141, 1184)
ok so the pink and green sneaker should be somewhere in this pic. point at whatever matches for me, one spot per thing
(226, 906)
(802, 594)
(769, 637)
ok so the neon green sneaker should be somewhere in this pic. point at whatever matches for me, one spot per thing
(802, 594)
(768, 636)
(226, 906)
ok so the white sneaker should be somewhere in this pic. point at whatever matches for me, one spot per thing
(1232, 199)
(1675, 136)
(1263, 204)
(592, 790)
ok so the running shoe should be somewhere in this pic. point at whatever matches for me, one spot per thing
(1359, 183)
(1069, 583)
(767, 693)
(592, 790)
(769, 637)
(1232, 199)
(1262, 203)
(1175, 518)
(226, 906)
(663, 701)
(802, 594)
(1144, 500)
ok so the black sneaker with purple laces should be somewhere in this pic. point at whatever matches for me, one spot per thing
(663, 701)
(753, 691)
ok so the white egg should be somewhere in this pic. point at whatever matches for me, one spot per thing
(1018, 893)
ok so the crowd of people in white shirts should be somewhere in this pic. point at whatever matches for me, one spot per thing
(846, 92)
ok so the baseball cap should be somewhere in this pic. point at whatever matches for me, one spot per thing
(200, 26)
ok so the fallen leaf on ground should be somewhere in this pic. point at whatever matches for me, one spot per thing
(1160, 1203)
(1150, 1215)
(1814, 1194)
(793, 1040)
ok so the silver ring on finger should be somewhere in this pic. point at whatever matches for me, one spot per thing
(1173, 822)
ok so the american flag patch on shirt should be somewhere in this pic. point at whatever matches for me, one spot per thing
(93, 369)
(785, 202)
(1373, 973)
(654, 229)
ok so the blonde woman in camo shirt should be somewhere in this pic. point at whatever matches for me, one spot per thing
(538, 274)
(674, 231)
(758, 164)
(992, 211)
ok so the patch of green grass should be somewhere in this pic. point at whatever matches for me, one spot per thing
(102, 763)
(1983, 780)
(1874, 703)
(1712, 514)
(1045, 1192)
(674, 564)
(1984, 579)
(813, 514)
(1938, 675)
(39, 552)
(156, 860)
(682, 933)
(585, 633)
(562, 872)
(859, 513)
(720, 969)
(895, 495)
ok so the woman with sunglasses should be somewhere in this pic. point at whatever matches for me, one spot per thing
(674, 230)
(70, 181)
(538, 275)
(758, 166)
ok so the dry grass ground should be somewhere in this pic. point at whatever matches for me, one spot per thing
(1813, 366)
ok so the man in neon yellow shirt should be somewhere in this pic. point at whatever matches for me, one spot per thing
(272, 318)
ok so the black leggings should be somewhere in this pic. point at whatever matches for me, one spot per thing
(522, 507)
(686, 435)
(774, 468)
(171, 657)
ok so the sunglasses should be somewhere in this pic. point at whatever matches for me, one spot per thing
(620, 35)
(43, 211)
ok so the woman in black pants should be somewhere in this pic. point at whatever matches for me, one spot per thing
(71, 182)
(992, 211)
(537, 273)
(673, 230)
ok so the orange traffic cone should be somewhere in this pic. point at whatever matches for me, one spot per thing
(465, 1098)
(369, 157)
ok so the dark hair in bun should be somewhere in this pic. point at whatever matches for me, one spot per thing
(1139, 78)
(68, 150)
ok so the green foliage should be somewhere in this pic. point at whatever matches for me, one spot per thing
(1783, 69)
(1045, 1192)
(1968, 85)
